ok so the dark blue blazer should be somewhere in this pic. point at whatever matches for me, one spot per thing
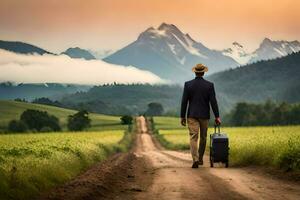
(197, 95)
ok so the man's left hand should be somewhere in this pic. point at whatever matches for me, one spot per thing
(183, 121)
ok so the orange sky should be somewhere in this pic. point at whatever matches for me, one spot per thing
(111, 24)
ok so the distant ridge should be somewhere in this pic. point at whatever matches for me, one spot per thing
(268, 49)
(79, 53)
(28, 91)
(21, 47)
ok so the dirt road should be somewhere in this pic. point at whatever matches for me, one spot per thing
(150, 172)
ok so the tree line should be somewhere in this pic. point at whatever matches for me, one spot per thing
(243, 113)
(265, 114)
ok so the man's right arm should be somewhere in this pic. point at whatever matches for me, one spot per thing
(184, 102)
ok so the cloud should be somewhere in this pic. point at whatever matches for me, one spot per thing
(63, 69)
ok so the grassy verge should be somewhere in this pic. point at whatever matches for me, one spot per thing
(31, 163)
(170, 139)
(10, 110)
(276, 146)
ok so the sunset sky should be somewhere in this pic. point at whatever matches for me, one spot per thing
(111, 24)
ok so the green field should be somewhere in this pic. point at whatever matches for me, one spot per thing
(277, 146)
(31, 163)
(10, 110)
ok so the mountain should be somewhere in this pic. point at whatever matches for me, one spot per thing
(276, 79)
(78, 53)
(21, 47)
(238, 53)
(170, 54)
(9, 90)
(100, 54)
(269, 49)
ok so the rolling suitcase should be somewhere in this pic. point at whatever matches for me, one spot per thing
(219, 148)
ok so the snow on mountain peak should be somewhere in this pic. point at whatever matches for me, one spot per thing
(158, 32)
(270, 49)
(238, 53)
(174, 38)
(152, 33)
(163, 30)
(171, 29)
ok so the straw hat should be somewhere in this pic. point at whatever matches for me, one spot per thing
(199, 68)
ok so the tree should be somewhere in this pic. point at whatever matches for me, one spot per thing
(126, 119)
(280, 114)
(79, 121)
(20, 100)
(36, 119)
(46, 101)
(17, 126)
(154, 109)
(239, 114)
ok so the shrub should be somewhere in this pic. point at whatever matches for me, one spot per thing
(79, 121)
(17, 126)
(126, 119)
(36, 119)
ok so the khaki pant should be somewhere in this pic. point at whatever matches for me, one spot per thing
(194, 124)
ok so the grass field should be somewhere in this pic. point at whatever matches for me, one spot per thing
(277, 146)
(10, 110)
(30, 163)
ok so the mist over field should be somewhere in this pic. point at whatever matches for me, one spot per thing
(62, 69)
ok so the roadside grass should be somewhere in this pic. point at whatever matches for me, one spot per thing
(166, 123)
(276, 146)
(10, 110)
(32, 163)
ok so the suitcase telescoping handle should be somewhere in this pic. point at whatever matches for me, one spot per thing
(216, 128)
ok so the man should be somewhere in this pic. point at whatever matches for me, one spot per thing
(197, 95)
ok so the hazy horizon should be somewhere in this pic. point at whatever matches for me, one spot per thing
(99, 25)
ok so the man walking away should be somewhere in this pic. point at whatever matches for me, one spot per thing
(197, 95)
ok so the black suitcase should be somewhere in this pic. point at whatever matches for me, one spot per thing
(219, 148)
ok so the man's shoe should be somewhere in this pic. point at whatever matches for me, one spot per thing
(195, 164)
(200, 162)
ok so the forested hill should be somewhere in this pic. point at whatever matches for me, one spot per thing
(119, 98)
(277, 79)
